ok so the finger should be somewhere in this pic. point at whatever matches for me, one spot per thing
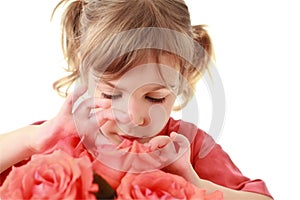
(79, 91)
(119, 116)
(159, 142)
(101, 117)
(173, 135)
(104, 115)
(73, 97)
(88, 106)
(180, 140)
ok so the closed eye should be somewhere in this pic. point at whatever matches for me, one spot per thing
(155, 100)
(111, 96)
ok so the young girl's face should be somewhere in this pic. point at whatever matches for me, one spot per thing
(145, 94)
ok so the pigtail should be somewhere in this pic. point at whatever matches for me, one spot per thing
(206, 56)
(203, 56)
(70, 42)
(201, 36)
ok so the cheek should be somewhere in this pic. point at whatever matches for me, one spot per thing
(160, 114)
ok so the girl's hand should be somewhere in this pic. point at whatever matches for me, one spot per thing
(181, 164)
(82, 121)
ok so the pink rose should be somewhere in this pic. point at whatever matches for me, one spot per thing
(160, 185)
(108, 168)
(56, 176)
(115, 159)
(128, 156)
(72, 145)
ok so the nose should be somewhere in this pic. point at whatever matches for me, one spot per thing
(138, 112)
(138, 121)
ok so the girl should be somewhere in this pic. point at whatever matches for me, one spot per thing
(135, 60)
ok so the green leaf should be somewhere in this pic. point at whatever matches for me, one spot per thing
(105, 190)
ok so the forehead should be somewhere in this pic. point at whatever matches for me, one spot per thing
(157, 59)
(160, 57)
(155, 74)
(141, 68)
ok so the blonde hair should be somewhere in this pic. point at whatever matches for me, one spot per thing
(111, 35)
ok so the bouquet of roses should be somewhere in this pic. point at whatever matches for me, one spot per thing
(69, 171)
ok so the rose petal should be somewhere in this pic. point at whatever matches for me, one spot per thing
(161, 185)
(56, 175)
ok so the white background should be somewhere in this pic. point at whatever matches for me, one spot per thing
(257, 49)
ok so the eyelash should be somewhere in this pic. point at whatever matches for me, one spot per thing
(110, 96)
(155, 100)
(150, 99)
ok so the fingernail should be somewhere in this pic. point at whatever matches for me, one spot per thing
(173, 135)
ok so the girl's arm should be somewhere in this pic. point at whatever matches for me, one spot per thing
(228, 194)
(15, 146)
